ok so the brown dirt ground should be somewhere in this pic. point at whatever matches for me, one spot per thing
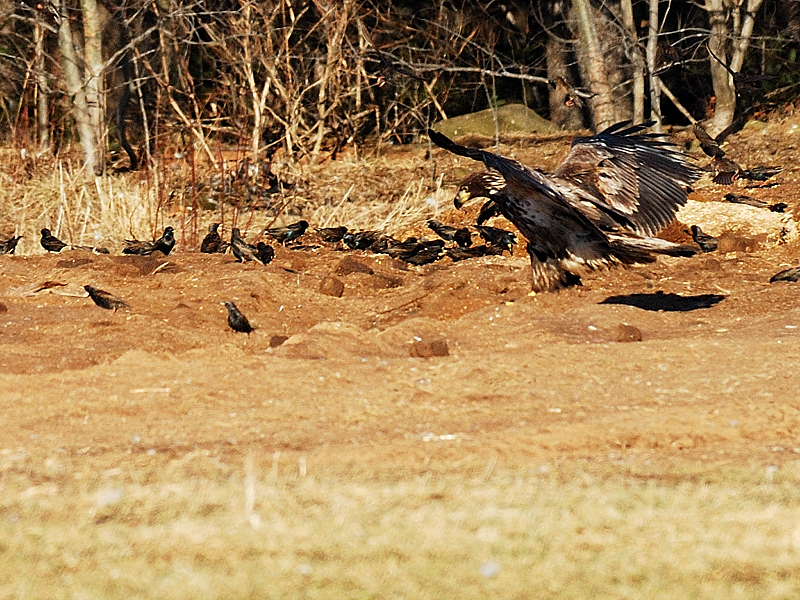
(528, 379)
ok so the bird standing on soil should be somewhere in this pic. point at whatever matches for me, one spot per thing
(9, 245)
(461, 236)
(792, 274)
(164, 244)
(331, 234)
(362, 240)
(236, 320)
(104, 299)
(50, 242)
(284, 235)
(599, 208)
(243, 251)
(213, 243)
(499, 238)
(265, 252)
(707, 243)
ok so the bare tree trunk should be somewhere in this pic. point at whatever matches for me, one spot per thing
(637, 60)
(602, 104)
(75, 87)
(719, 14)
(652, 47)
(95, 96)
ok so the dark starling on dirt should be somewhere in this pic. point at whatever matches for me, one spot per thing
(787, 275)
(427, 252)
(164, 244)
(50, 242)
(289, 233)
(498, 237)
(727, 170)
(748, 200)
(236, 320)
(105, 300)
(265, 252)
(707, 243)
(461, 236)
(759, 173)
(489, 209)
(457, 254)
(9, 245)
(362, 240)
(213, 243)
(398, 249)
(778, 207)
(243, 251)
(331, 234)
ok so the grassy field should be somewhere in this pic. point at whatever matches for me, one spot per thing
(201, 528)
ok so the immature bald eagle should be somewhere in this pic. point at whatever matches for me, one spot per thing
(600, 207)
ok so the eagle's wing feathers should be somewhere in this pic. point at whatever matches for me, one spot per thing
(637, 174)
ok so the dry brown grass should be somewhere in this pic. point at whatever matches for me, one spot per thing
(201, 528)
(362, 194)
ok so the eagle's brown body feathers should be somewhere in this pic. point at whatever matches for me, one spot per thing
(600, 207)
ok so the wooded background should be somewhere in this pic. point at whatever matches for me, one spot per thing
(315, 76)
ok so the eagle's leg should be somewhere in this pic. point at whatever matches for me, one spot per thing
(547, 274)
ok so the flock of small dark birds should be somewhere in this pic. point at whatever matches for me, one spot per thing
(411, 250)
(602, 206)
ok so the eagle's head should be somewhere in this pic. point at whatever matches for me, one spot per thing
(486, 184)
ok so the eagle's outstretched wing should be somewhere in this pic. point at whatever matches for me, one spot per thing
(637, 174)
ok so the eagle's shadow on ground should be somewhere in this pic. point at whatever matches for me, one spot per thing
(666, 302)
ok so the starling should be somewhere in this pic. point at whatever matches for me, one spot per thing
(707, 243)
(462, 236)
(787, 275)
(213, 243)
(759, 173)
(243, 251)
(412, 247)
(498, 237)
(489, 209)
(288, 233)
(742, 199)
(164, 244)
(105, 300)
(265, 252)
(236, 320)
(9, 245)
(707, 144)
(426, 253)
(362, 240)
(331, 234)
(51, 243)
(727, 170)
(457, 254)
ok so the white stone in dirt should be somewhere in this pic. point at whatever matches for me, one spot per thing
(715, 218)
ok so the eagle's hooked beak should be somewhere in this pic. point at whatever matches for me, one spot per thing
(461, 198)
